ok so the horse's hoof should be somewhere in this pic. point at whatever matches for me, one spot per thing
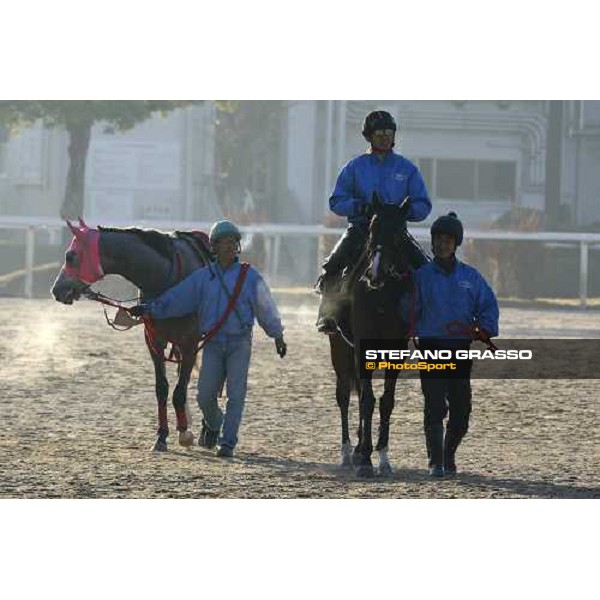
(186, 438)
(346, 455)
(365, 471)
(346, 462)
(385, 470)
(159, 446)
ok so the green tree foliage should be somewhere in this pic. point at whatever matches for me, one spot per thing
(250, 155)
(77, 117)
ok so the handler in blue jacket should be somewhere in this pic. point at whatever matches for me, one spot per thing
(226, 356)
(393, 177)
(454, 305)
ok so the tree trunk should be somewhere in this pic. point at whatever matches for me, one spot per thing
(79, 141)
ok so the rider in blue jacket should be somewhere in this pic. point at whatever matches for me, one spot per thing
(226, 356)
(392, 177)
(454, 305)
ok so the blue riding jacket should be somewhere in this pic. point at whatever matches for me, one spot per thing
(462, 295)
(203, 292)
(393, 178)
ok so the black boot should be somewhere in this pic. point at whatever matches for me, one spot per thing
(434, 439)
(327, 286)
(202, 437)
(346, 252)
(451, 442)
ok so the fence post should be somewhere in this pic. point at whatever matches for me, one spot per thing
(276, 253)
(583, 273)
(29, 254)
(268, 257)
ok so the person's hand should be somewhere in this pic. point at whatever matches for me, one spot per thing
(139, 310)
(280, 346)
(479, 333)
(365, 209)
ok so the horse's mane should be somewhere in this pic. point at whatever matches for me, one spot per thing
(161, 242)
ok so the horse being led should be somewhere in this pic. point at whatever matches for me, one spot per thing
(381, 285)
(153, 262)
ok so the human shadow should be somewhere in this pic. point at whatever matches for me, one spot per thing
(524, 487)
(518, 487)
(464, 480)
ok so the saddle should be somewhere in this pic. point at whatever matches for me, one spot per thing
(198, 240)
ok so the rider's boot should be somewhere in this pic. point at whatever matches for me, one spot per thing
(327, 317)
(344, 253)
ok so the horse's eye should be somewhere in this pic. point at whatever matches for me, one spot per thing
(71, 258)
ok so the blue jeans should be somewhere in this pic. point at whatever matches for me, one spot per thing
(224, 361)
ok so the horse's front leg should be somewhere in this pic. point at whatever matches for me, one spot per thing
(362, 458)
(342, 395)
(162, 395)
(386, 406)
(188, 356)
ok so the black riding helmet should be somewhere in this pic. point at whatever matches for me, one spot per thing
(450, 225)
(379, 119)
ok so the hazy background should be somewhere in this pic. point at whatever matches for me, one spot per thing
(508, 165)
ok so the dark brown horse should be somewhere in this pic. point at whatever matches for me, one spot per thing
(378, 287)
(153, 262)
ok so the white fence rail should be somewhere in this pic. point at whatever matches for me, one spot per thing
(275, 232)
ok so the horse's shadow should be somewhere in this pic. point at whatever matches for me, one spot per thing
(466, 481)
(520, 487)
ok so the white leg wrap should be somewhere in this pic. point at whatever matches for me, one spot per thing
(383, 457)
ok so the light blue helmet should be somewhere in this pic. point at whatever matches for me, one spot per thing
(222, 229)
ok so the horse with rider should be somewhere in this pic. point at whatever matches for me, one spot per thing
(374, 285)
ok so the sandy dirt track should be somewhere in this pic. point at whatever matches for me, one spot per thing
(79, 415)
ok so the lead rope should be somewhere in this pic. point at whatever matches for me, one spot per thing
(107, 301)
(475, 332)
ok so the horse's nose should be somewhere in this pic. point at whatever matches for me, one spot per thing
(63, 293)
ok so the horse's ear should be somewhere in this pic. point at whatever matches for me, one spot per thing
(82, 223)
(72, 227)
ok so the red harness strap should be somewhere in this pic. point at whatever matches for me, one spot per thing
(151, 335)
(150, 329)
(457, 327)
(236, 292)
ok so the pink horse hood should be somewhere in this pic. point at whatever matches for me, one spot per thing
(85, 246)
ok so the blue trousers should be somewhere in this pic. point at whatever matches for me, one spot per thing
(224, 361)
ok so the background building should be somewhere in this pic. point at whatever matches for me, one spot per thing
(280, 159)
(525, 165)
